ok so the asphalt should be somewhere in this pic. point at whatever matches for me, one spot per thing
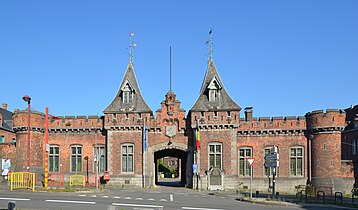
(262, 198)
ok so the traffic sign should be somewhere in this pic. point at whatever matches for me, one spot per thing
(272, 157)
(251, 161)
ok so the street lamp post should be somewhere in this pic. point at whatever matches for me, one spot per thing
(28, 99)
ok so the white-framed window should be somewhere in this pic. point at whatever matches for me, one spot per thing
(296, 161)
(76, 158)
(244, 167)
(215, 155)
(54, 158)
(127, 94)
(268, 171)
(100, 151)
(127, 158)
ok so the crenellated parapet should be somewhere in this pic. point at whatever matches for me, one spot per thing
(56, 124)
(215, 119)
(289, 125)
(329, 120)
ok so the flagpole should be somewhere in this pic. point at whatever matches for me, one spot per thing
(144, 153)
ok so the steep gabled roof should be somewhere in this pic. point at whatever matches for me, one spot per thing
(224, 103)
(6, 119)
(138, 104)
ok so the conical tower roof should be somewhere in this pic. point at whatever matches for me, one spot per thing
(216, 100)
(136, 103)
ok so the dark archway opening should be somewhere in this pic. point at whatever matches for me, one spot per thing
(170, 167)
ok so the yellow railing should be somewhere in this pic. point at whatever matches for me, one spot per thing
(77, 180)
(22, 180)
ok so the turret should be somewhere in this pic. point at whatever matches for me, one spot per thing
(324, 133)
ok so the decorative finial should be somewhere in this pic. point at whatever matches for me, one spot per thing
(131, 47)
(210, 44)
(170, 68)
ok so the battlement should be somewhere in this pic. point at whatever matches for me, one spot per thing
(326, 118)
(38, 119)
(289, 122)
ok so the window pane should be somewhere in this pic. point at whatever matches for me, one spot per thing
(211, 160)
(242, 153)
(124, 149)
(293, 152)
(56, 167)
(130, 163)
(73, 162)
(79, 164)
(51, 150)
(211, 148)
(218, 161)
(57, 150)
(248, 170)
(79, 150)
(124, 163)
(267, 151)
(218, 148)
(299, 166)
(73, 150)
(130, 149)
(248, 152)
(293, 166)
(299, 151)
(241, 166)
(50, 161)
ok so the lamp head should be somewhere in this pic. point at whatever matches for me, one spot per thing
(27, 98)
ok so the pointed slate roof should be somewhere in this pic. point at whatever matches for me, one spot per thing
(224, 103)
(138, 104)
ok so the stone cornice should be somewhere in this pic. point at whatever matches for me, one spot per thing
(215, 126)
(269, 132)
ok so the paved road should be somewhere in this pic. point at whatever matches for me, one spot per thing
(118, 199)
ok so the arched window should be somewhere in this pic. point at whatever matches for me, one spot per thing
(76, 158)
(215, 155)
(100, 151)
(54, 158)
(296, 161)
(127, 158)
(244, 167)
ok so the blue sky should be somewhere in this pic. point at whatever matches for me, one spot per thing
(284, 58)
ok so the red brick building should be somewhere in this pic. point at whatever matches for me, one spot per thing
(129, 139)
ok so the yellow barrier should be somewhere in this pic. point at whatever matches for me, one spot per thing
(22, 180)
(77, 180)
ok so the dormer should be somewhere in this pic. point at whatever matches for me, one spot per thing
(213, 90)
(127, 92)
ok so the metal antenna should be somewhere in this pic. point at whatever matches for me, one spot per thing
(131, 47)
(170, 77)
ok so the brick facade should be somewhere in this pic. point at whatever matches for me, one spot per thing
(324, 139)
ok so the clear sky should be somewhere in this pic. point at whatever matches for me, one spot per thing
(284, 58)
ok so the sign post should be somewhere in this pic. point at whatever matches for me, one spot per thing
(251, 162)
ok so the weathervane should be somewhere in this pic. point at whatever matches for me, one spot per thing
(131, 47)
(210, 44)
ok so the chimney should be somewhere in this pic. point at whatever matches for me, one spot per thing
(248, 113)
(4, 106)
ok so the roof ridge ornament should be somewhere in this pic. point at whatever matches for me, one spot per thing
(209, 43)
(131, 48)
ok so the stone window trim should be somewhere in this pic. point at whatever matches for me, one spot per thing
(296, 161)
(100, 150)
(76, 158)
(129, 157)
(215, 155)
(244, 167)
